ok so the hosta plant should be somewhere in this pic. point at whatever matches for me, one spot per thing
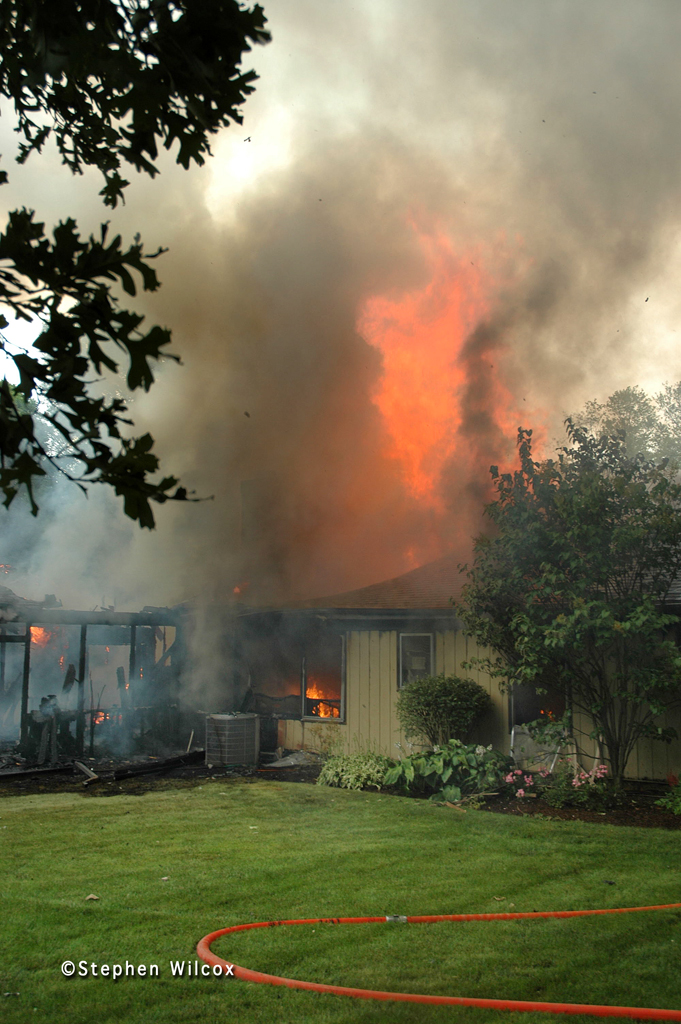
(450, 772)
(355, 771)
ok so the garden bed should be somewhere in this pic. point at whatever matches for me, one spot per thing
(638, 811)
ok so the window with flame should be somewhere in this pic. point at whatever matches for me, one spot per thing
(416, 657)
(324, 679)
(526, 705)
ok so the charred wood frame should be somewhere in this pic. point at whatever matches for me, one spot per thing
(60, 617)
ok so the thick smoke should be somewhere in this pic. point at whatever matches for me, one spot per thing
(542, 138)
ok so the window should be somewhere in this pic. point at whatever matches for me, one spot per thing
(416, 657)
(324, 679)
(526, 705)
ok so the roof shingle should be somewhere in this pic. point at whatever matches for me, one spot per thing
(429, 586)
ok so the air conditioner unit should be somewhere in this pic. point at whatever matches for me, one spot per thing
(232, 739)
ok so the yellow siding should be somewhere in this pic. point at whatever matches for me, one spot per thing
(371, 693)
(371, 720)
(653, 759)
(588, 753)
(388, 673)
(321, 736)
(650, 759)
(290, 735)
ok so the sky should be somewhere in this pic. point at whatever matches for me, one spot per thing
(452, 219)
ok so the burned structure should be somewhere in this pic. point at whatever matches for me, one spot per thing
(70, 677)
(321, 674)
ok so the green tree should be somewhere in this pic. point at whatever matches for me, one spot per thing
(109, 81)
(648, 425)
(570, 591)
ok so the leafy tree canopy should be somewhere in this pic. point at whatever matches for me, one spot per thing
(110, 81)
(649, 425)
(569, 592)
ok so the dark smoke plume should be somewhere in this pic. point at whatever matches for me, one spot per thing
(541, 137)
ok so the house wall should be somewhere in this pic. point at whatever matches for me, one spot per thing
(650, 759)
(371, 722)
(371, 693)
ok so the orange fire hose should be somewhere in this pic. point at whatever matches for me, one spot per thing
(233, 970)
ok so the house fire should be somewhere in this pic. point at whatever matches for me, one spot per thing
(321, 674)
(324, 674)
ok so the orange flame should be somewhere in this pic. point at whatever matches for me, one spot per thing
(41, 636)
(423, 337)
(315, 691)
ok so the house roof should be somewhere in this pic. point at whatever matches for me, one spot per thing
(429, 586)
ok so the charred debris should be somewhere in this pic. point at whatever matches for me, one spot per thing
(115, 695)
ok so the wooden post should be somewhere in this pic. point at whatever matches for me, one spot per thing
(44, 737)
(131, 667)
(24, 687)
(80, 724)
(120, 676)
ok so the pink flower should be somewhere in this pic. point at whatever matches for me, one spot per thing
(517, 771)
(510, 778)
(529, 781)
(521, 792)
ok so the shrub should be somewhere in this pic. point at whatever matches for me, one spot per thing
(439, 708)
(551, 731)
(672, 800)
(355, 771)
(450, 772)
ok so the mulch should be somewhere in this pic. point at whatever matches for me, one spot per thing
(639, 812)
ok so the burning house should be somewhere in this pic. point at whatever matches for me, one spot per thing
(324, 674)
(321, 674)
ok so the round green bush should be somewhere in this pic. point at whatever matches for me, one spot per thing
(440, 708)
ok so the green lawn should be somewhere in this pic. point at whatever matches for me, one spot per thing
(254, 851)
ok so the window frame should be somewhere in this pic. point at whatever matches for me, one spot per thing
(544, 699)
(343, 638)
(431, 636)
